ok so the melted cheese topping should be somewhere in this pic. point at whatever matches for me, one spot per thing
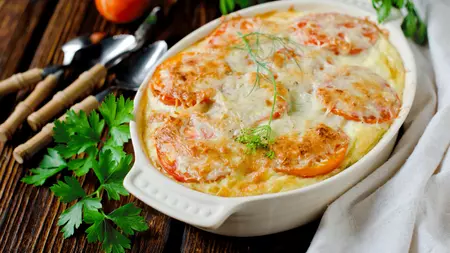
(337, 82)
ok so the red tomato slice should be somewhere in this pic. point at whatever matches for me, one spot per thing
(281, 106)
(168, 144)
(198, 128)
(251, 100)
(358, 94)
(283, 55)
(176, 81)
(227, 32)
(304, 62)
(184, 151)
(319, 151)
(339, 33)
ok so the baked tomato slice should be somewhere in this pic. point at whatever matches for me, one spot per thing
(339, 33)
(358, 94)
(185, 79)
(250, 99)
(307, 62)
(318, 151)
(187, 149)
(227, 32)
(281, 104)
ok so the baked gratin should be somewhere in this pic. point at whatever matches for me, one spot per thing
(271, 103)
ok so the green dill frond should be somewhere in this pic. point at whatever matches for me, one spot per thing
(260, 137)
(270, 154)
(256, 138)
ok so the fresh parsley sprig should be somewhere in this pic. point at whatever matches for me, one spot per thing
(227, 6)
(412, 25)
(81, 135)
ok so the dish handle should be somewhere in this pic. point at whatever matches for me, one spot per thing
(175, 200)
(196, 209)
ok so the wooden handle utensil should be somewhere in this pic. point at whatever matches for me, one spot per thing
(21, 81)
(85, 84)
(23, 109)
(45, 136)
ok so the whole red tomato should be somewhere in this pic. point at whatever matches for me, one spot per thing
(122, 11)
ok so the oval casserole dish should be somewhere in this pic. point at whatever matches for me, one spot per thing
(273, 212)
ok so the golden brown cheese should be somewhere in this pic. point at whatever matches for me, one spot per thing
(327, 86)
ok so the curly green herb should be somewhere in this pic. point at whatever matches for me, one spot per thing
(82, 134)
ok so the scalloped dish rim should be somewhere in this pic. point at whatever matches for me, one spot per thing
(142, 162)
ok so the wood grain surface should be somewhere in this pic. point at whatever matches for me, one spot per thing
(31, 35)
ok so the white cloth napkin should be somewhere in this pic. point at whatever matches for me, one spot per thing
(404, 206)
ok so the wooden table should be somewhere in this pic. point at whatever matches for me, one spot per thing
(31, 34)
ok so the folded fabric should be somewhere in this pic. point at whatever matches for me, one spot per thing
(403, 206)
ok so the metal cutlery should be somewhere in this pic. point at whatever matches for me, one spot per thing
(129, 76)
(114, 50)
(73, 52)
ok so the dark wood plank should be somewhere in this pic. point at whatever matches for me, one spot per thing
(31, 34)
(29, 214)
(18, 26)
(295, 240)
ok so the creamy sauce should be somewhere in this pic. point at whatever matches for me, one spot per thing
(226, 94)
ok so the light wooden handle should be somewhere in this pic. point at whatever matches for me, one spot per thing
(85, 84)
(23, 109)
(20, 81)
(45, 136)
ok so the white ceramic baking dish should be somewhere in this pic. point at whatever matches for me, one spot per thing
(269, 213)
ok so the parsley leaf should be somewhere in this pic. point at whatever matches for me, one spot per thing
(412, 26)
(81, 134)
(92, 203)
(421, 34)
(409, 25)
(243, 3)
(71, 218)
(398, 3)
(81, 166)
(95, 232)
(101, 230)
(113, 240)
(230, 5)
(116, 113)
(114, 190)
(384, 10)
(52, 160)
(102, 167)
(127, 218)
(111, 174)
(120, 134)
(60, 133)
(223, 7)
(91, 216)
(68, 191)
(39, 175)
(51, 164)
(78, 133)
(117, 151)
(227, 6)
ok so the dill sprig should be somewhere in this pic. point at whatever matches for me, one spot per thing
(260, 66)
(257, 138)
(260, 137)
